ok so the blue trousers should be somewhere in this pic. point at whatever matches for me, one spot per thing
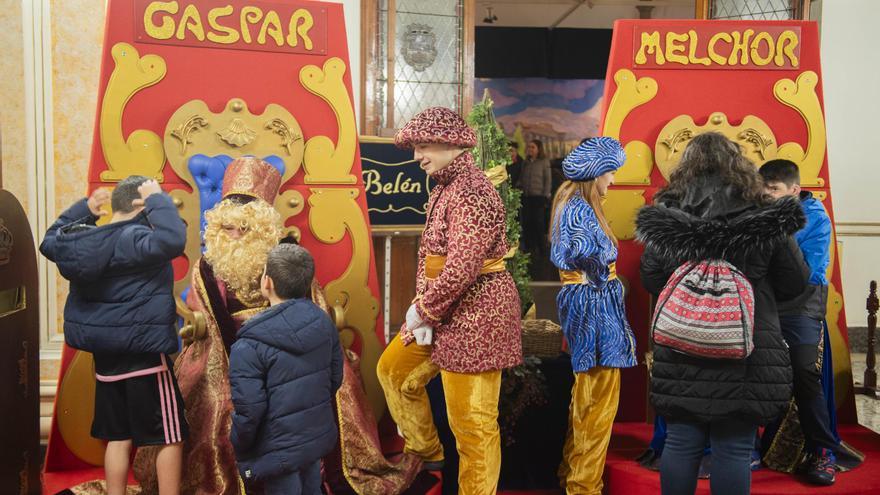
(732, 443)
(306, 481)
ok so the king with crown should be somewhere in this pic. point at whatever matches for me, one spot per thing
(240, 231)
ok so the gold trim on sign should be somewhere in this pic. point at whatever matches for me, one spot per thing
(326, 162)
(630, 93)
(335, 214)
(193, 129)
(397, 229)
(376, 139)
(141, 153)
(75, 409)
(621, 207)
(396, 164)
(801, 96)
(754, 136)
(843, 381)
(392, 209)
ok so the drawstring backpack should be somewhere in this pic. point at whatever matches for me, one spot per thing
(707, 310)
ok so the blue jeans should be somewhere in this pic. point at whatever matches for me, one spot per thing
(732, 443)
(306, 481)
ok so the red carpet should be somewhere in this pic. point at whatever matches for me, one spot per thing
(625, 477)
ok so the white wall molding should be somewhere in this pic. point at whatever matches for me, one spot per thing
(39, 155)
(857, 229)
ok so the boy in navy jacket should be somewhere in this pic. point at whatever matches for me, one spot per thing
(284, 369)
(802, 320)
(121, 309)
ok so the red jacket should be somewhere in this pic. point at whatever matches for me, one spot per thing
(476, 317)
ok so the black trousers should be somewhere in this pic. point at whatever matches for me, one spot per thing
(534, 226)
(803, 335)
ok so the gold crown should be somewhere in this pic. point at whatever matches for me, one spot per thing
(5, 244)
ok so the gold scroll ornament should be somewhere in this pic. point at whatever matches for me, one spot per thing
(335, 214)
(843, 381)
(620, 207)
(76, 407)
(142, 152)
(801, 96)
(631, 93)
(235, 131)
(753, 135)
(326, 162)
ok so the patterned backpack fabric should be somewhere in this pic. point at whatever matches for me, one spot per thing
(706, 309)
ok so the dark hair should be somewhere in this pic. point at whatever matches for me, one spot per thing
(781, 170)
(712, 154)
(540, 146)
(512, 144)
(126, 192)
(291, 269)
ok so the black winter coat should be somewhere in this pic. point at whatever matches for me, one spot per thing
(284, 370)
(121, 298)
(712, 221)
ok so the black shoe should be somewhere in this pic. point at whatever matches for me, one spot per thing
(433, 465)
(821, 469)
(649, 460)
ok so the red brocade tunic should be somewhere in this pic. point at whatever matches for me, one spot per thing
(476, 317)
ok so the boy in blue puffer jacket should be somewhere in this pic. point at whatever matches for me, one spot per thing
(801, 320)
(121, 309)
(284, 369)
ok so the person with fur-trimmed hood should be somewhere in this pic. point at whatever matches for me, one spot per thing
(714, 207)
(466, 315)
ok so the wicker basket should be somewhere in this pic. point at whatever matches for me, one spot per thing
(541, 338)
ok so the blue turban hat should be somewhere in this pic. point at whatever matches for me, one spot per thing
(592, 158)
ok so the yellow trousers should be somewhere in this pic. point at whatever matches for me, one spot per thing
(471, 404)
(594, 399)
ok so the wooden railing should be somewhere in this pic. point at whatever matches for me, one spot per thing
(869, 384)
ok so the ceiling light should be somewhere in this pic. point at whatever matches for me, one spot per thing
(490, 17)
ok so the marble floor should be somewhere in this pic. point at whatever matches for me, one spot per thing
(868, 408)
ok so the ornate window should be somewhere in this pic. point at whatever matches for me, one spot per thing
(419, 53)
(769, 10)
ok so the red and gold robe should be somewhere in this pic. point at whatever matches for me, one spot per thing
(202, 371)
(463, 291)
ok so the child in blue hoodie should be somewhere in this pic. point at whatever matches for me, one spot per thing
(801, 320)
(121, 309)
(284, 369)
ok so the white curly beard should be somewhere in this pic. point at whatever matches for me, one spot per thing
(240, 262)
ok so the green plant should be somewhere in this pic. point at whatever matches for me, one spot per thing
(522, 387)
(493, 151)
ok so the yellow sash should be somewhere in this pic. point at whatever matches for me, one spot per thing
(434, 264)
(569, 277)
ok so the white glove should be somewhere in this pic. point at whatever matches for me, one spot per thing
(413, 320)
(424, 335)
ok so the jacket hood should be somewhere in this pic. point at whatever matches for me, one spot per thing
(85, 252)
(810, 203)
(297, 326)
(707, 231)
